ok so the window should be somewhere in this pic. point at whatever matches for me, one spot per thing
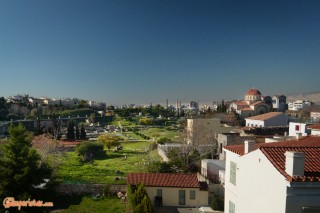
(159, 192)
(233, 172)
(297, 128)
(232, 207)
(192, 194)
(220, 147)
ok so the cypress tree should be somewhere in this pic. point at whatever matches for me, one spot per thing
(139, 200)
(77, 132)
(83, 134)
(70, 130)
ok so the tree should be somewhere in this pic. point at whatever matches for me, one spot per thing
(56, 127)
(82, 103)
(163, 140)
(218, 203)
(139, 199)
(185, 158)
(3, 108)
(88, 150)
(146, 121)
(83, 134)
(21, 168)
(160, 167)
(70, 130)
(109, 140)
(92, 118)
(77, 132)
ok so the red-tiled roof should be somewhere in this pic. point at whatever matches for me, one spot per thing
(258, 102)
(276, 155)
(310, 145)
(241, 103)
(314, 126)
(246, 109)
(265, 116)
(165, 180)
(253, 92)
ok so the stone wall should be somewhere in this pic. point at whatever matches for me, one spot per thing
(88, 189)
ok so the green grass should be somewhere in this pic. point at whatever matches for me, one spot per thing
(123, 122)
(87, 205)
(162, 132)
(132, 135)
(103, 170)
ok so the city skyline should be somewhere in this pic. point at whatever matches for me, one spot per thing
(123, 52)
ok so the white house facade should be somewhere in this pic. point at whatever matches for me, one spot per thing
(298, 105)
(280, 177)
(297, 128)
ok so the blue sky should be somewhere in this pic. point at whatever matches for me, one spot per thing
(142, 51)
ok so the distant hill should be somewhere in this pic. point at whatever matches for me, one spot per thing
(310, 96)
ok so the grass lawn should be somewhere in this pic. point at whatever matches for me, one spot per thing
(134, 136)
(104, 170)
(162, 132)
(123, 122)
(87, 204)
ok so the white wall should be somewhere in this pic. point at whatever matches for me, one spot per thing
(210, 168)
(259, 188)
(315, 132)
(292, 128)
(254, 123)
(279, 120)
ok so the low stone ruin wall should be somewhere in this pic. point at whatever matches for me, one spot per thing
(88, 189)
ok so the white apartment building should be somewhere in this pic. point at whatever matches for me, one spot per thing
(280, 177)
(298, 105)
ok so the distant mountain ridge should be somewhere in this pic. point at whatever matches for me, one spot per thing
(310, 96)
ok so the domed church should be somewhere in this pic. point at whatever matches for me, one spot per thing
(253, 104)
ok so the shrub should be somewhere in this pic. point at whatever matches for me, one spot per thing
(218, 203)
(107, 190)
(163, 140)
(89, 150)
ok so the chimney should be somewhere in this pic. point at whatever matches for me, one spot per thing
(249, 146)
(299, 135)
(295, 163)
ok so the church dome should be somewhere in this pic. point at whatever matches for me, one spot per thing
(253, 92)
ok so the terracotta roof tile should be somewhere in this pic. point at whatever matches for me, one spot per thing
(276, 155)
(314, 126)
(258, 102)
(265, 116)
(310, 145)
(246, 109)
(253, 92)
(165, 180)
(241, 103)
